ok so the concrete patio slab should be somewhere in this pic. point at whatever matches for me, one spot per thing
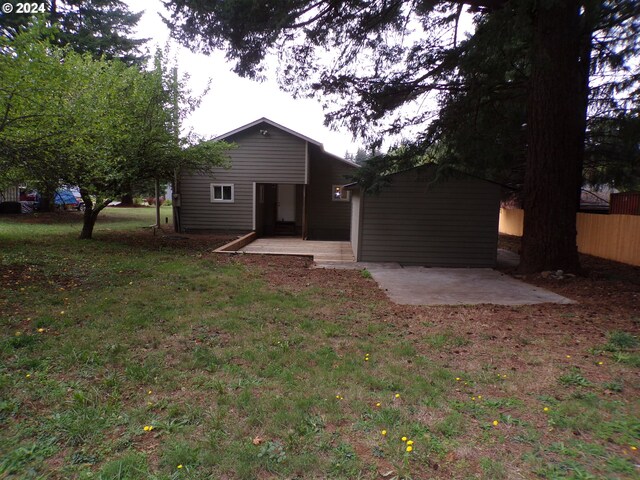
(418, 285)
(457, 286)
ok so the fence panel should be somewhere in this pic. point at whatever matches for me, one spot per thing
(614, 237)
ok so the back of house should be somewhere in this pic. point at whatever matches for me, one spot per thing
(279, 182)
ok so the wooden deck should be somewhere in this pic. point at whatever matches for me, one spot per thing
(320, 250)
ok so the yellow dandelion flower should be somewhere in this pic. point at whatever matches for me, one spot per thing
(633, 447)
(40, 330)
(383, 432)
(473, 398)
(61, 312)
(479, 397)
(148, 428)
(28, 375)
(600, 363)
(149, 392)
(397, 395)
(495, 423)
(378, 404)
(409, 442)
(179, 466)
(504, 376)
(545, 409)
(409, 448)
(404, 439)
(457, 379)
(366, 359)
(568, 356)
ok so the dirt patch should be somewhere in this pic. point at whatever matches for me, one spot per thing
(167, 239)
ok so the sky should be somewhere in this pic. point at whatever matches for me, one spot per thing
(233, 101)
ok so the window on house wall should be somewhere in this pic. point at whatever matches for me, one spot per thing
(339, 194)
(222, 192)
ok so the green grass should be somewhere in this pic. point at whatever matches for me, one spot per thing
(244, 377)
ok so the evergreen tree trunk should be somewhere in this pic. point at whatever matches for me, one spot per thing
(47, 201)
(556, 133)
(126, 200)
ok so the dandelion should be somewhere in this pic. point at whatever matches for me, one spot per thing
(545, 409)
(404, 439)
(339, 397)
(504, 376)
(397, 395)
(149, 392)
(383, 433)
(18, 333)
(600, 363)
(148, 428)
(457, 379)
(473, 399)
(409, 448)
(61, 312)
(409, 442)
(40, 330)
(568, 356)
(179, 466)
(495, 423)
(479, 397)
(378, 404)
(633, 447)
(28, 375)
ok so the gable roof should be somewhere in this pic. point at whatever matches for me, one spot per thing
(285, 129)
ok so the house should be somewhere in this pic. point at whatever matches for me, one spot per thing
(10, 194)
(280, 182)
(418, 219)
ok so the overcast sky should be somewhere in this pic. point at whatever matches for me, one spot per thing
(234, 101)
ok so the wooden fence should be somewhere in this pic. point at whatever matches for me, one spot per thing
(615, 237)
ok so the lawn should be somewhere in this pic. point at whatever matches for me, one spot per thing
(136, 356)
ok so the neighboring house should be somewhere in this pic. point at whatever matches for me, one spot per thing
(279, 183)
(419, 220)
(10, 194)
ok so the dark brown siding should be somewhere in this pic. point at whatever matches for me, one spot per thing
(327, 219)
(414, 222)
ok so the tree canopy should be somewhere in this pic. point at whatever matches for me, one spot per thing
(68, 119)
(514, 96)
(102, 28)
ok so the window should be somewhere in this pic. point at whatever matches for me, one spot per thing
(222, 192)
(339, 194)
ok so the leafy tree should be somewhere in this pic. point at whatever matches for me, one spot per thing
(97, 124)
(101, 28)
(368, 60)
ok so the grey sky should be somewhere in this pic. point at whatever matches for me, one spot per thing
(234, 101)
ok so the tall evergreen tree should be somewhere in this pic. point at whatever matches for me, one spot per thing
(102, 28)
(368, 59)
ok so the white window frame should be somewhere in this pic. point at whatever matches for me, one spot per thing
(222, 186)
(341, 198)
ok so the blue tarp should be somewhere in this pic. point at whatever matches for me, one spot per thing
(65, 197)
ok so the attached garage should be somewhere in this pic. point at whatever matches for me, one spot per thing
(418, 219)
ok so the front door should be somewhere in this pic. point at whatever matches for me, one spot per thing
(286, 203)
